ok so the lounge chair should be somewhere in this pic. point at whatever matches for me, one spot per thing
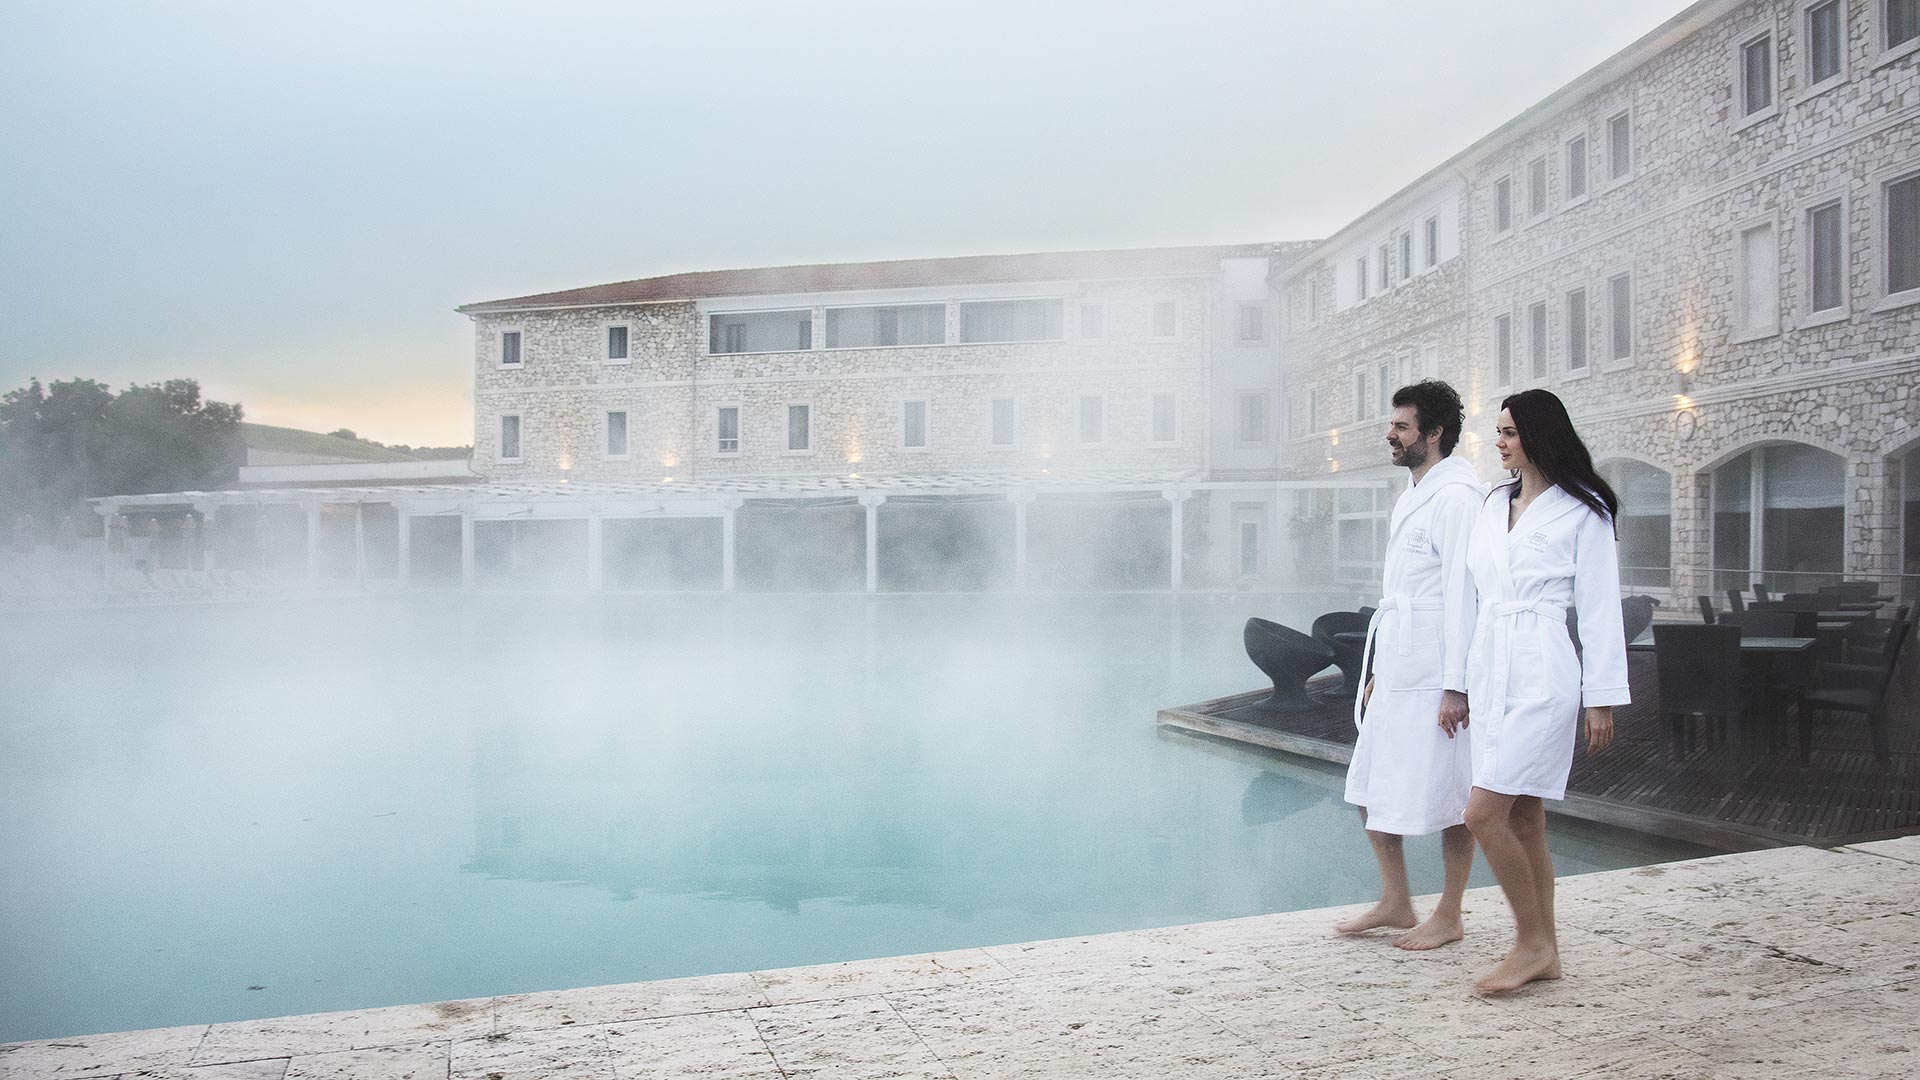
(1289, 658)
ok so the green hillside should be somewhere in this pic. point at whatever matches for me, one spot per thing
(295, 441)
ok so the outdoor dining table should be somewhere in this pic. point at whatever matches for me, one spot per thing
(1770, 655)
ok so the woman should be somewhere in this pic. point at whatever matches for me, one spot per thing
(1543, 542)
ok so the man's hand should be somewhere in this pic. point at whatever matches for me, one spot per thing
(1453, 711)
(1599, 728)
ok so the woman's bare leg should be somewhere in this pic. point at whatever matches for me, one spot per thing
(1501, 825)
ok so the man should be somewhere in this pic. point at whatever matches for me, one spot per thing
(1411, 769)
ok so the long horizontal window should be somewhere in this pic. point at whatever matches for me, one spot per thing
(868, 327)
(1012, 320)
(760, 331)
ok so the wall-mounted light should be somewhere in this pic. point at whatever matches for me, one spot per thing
(1680, 382)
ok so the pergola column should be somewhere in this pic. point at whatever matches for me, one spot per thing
(360, 544)
(466, 549)
(1020, 500)
(109, 516)
(206, 534)
(403, 544)
(313, 542)
(726, 543)
(596, 560)
(1178, 528)
(872, 501)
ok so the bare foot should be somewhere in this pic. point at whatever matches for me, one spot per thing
(1382, 914)
(1432, 934)
(1522, 966)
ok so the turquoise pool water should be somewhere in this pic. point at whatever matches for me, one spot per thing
(219, 813)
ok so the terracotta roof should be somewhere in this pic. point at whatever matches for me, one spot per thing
(898, 274)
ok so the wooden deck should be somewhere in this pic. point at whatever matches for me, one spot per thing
(1723, 797)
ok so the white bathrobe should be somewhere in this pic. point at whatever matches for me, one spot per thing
(1409, 775)
(1525, 687)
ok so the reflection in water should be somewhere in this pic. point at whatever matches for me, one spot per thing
(213, 813)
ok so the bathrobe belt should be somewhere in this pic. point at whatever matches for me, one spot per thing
(1501, 617)
(1401, 606)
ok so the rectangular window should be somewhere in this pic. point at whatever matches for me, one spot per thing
(617, 434)
(1360, 277)
(1902, 22)
(1313, 410)
(727, 427)
(875, 327)
(1165, 419)
(1433, 241)
(1406, 256)
(616, 343)
(1537, 187)
(1757, 301)
(1576, 168)
(1503, 350)
(1003, 422)
(1250, 419)
(799, 428)
(510, 438)
(1093, 322)
(1249, 547)
(1093, 419)
(1825, 268)
(1383, 391)
(1502, 204)
(1620, 317)
(913, 425)
(1577, 330)
(1166, 318)
(1359, 395)
(1903, 236)
(760, 331)
(1825, 42)
(1537, 340)
(1011, 320)
(1756, 75)
(1253, 322)
(509, 348)
(1313, 301)
(1620, 146)
(1385, 266)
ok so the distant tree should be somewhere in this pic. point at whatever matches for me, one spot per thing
(67, 441)
(346, 433)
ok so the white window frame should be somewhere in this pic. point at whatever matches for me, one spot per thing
(1612, 180)
(1545, 200)
(1013, 404)
(607, 329)
(606, 434)
(1361, 399)
(1313, 414)
(1313, 301)
(739, 427)
(1080, 420)
(1360, 266)
(1804, 46)
(520, 433)
(826, 316)
(1080, 320)
(1500, 232)
(1238, 514)
(1493, 350)
(1608, 361)
(1266, 418)
(1585, 138)
(1153, 319)
(786, 428)
(1742, 118)
(1430, 239)
(1544, 362)
(1882, 55)
(1403, 254)
(1742, 327)
(1383, 389)
(500, 348)
(1430, 362)
(1803, 235)
(1383, 276)
(926, 425)
(1566, 331)
(816, 334)
(1240, 325)
(1881, 240)
(1153, 406)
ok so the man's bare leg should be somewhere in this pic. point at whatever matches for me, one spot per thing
(1501, 823)
(1395, 909)
(1444, 925)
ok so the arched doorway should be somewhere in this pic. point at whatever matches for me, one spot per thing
(1779, 516)
(1645, 522)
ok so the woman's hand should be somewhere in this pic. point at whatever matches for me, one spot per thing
(1599, 728)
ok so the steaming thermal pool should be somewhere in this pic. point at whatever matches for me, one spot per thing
(216, 813)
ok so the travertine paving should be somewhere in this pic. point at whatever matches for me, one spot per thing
(1789, 962)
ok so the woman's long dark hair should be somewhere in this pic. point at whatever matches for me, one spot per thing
(1550, 443)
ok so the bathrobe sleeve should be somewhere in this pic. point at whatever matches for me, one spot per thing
(1458, 510)
(1596, 595)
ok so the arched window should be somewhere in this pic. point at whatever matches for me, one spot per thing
(1645, 522)
(1779, 516)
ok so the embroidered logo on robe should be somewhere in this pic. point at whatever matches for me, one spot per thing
(1417, 541)
(1537, 541)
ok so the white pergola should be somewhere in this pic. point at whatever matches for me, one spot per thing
(596, 501)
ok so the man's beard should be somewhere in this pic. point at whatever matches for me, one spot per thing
(1412, 456)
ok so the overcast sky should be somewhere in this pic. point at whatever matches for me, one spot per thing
(286, 201)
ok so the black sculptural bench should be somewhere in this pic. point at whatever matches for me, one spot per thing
(1289, 658)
